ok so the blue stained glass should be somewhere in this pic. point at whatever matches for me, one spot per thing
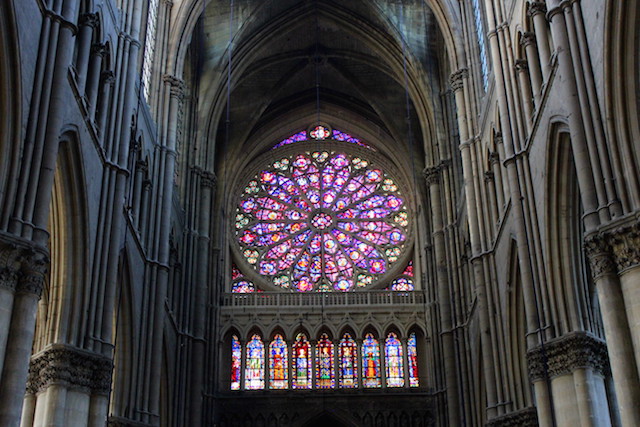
(254, 372)
(236, 356)
(412, 356)
(393, 361)
(348, 362)
(324, 363)
(278, 358)
(370, 362)
(301, 364)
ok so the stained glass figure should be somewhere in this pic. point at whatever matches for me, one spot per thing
(324, 363)
(393, 361)
(278, 363)
(370, 362)
(348, 359)
(301, 363)
(321, 221)
(236, 356)
(412, 356)
(254, 372)
(240, 285)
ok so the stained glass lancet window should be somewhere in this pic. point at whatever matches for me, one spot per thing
(301, 363)
(370, 362)
(278, 363)
(149, 46)
(240, 284)
(236, 363)
(322, 221)
(348, 352)
(482, 44)
(324, 363)
(393, 361)
(254, 372)
(412, 357)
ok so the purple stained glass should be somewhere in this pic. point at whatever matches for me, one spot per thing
(319, 220)
(412, 356)
(236, 355)
(322, 133)
(254, 372)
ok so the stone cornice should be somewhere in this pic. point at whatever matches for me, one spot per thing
(71, 367)
(564, 355)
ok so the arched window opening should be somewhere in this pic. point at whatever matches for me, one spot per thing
(236, 362)
(240, 284)
(278, 377)
(394, 367)
(254, 373)
(301, 363)
(322, 133)
(482, 44)
(412, 359)
(370, 362)
(348, 362)
(149, 47)
(324, 363)
(404, 283)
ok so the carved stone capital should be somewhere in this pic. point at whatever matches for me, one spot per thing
(177, 85)
(521, 65)
(108, 78)
(456, 80)
(432, 174)
(527, 417)
(528, 39)
(625, 244)
(564, 355)
(71, 367)
(494, 157)
(489, 176)
(536, 7)
(142, 166)
(209, 180)
(89, 20)
(600, 256)
(32, 275)
(99, 49)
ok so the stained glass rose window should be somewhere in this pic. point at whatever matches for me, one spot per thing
(321, 220)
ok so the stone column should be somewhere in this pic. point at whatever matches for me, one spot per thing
(107, 79)
(577, 365)
(87, 23)
(432, 177)
(529, 43)
(522, 69)
(10, 258)
(616, 326)
(538, 10)
(20, 339)
(98, 51)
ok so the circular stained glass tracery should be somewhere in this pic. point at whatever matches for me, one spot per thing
(322, 221)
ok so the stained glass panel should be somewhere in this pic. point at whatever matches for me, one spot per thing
(236, 356)
(321, 221)
(278, 358)
(254, 372)
(240, 285)
(324, 363)
(370, 362)
(412, 356)
(322, 133)
(393, 361)
(301, 363)
(348, 362)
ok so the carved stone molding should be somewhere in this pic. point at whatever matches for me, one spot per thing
(456, 80)
(494, 157)
(99, 49)
(142, 166)
(432, 174)
(600, 257)
(70, 367)
(528, 38)
(566, 354)
(89, 20)
(536, 7)
(209, 180)
(521, 65)
(108, 78)
(177, 86)
(625, 244)
(527, 417)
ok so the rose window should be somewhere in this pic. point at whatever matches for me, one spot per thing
(322, 221)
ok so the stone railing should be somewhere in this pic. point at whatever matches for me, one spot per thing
(289, 299)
